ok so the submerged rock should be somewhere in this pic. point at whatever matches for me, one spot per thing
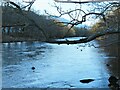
(86, 80)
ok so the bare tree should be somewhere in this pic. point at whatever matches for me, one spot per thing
(99, 10)
(25, 14)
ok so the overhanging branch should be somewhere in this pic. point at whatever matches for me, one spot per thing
(69, 1)
(87, 39)
(30, 19)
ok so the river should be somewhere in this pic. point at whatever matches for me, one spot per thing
(56, 66)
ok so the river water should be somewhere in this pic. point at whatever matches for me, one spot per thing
(56, 66)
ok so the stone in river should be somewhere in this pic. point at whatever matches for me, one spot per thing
(86, 80)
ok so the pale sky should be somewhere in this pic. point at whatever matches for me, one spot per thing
(42, 5)
(48, 6)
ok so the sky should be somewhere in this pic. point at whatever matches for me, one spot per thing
(48, 5)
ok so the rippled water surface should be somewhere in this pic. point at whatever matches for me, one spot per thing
(59, 66)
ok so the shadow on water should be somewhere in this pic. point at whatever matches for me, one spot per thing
(114, 62)
(113, 52)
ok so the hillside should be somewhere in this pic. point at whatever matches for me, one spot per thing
(16, 27)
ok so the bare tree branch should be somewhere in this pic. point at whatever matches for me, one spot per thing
(71, 1)
(73, 11)
(17, 6)
(30, 19)
(68, 31)
(87, 39)
(75, 21)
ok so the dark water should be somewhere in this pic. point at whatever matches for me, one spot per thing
(56, 66)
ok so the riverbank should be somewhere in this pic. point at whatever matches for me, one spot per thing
(112, 50)
(10, 38)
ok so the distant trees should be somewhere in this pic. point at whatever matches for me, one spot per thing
(82, 31)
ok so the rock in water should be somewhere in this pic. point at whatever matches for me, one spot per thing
(107, 65)
(86, 80)
(114, 86)
(112, 80)
(33, 68)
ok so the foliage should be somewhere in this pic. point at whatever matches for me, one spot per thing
(112, 21)
(81, 31)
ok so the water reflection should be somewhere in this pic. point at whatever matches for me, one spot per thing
(114, 60)
(13, 53)
(55, 66)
